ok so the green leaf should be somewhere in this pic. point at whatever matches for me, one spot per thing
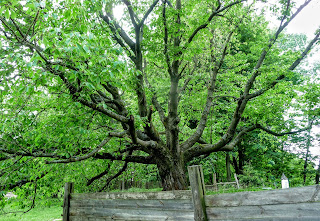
(2, 9)
(67, 14)
(86, 49)
(45, 41)
(32, 38)
(89, 85)
(7, 14)
(13, 14)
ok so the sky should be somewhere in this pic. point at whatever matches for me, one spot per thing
(308, 21)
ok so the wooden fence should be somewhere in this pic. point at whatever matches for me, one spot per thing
(301, 203)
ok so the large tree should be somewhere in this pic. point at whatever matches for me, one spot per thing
(79, 85)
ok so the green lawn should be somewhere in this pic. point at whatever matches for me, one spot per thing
(39, 213)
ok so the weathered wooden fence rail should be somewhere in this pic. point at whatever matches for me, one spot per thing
(286, 204)
(301, 203)
(175, 205)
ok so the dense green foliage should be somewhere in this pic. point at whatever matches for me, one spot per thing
(89, 96)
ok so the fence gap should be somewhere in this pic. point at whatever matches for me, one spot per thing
(198, 192)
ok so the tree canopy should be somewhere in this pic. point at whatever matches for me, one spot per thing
(168, 82)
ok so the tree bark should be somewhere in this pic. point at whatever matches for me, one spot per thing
(235, 165)
(228, 167)
(318, 174)
(241, 159)
(307, 157)
(172, 174)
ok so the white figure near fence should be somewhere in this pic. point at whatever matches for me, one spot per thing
(284, 182)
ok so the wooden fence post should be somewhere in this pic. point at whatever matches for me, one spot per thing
(215, 186)
(68, 189)
(237, 181)
(198, 192)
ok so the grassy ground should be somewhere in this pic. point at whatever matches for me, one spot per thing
(234, 190)
(42, 211)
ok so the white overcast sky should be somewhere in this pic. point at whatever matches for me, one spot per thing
(307, 22)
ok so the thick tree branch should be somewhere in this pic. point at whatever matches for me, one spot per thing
(117, 29)
(208, 148)
(119, 40)
(88, 155)
(132, 129)
(150, 129)
(259, 126)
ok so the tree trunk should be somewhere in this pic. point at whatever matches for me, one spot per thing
(305, 167)
(318, 174)
(241, 159)
(172, 175)
(306, 158)
(235, 165)
(228, 167)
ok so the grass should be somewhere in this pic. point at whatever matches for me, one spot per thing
(44, 210)
(234, 190)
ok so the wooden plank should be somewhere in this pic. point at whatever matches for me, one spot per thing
(127, 213)
(301, 210)
(133, 218)
(198, 192)
(177, 194)
(79, 218)
(307, 218)
(270, 197)
(129, 203)
(68, 189)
